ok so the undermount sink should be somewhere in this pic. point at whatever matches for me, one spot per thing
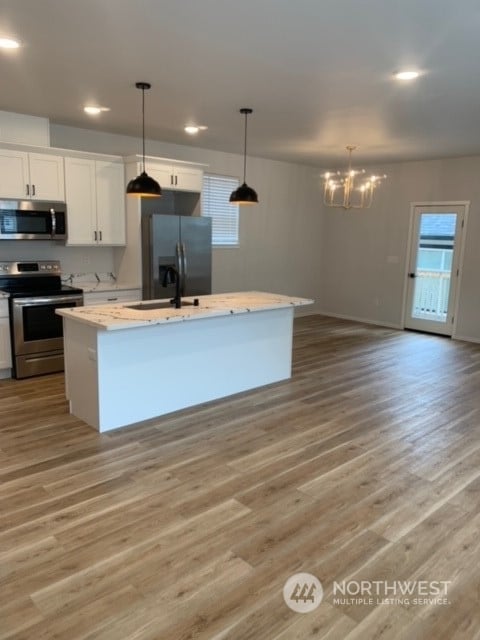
(164, 304)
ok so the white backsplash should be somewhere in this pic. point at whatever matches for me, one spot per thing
(82, 260)
(77, 279)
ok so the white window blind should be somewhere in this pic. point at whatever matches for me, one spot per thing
(215, 204)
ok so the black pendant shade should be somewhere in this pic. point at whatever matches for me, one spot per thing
(143, 186)
(244, 194)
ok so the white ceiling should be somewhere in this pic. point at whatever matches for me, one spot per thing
(318, 73)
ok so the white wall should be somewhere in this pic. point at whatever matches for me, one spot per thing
(280, 239)
(358, 278)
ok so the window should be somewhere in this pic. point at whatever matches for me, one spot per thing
(215, 204)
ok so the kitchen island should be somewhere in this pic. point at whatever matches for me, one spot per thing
(124, 364)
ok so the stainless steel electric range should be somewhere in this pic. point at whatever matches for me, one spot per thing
(36, 290)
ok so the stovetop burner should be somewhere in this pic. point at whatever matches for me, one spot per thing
(27, 279)
(40, 291)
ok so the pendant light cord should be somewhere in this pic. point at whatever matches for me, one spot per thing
(143, 126)
(245, 153)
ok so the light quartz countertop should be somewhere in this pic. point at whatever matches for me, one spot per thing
(119, 316)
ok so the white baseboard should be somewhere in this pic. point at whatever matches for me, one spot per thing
(389, 325)
(378, 323)
(301, 312)
(466, 339)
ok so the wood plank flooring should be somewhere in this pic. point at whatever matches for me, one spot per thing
(364, 466)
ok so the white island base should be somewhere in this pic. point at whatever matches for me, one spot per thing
(176, 359)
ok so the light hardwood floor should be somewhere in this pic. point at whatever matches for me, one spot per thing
(364, 466)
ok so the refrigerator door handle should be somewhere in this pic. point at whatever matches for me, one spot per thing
(184, 268)
(179, 265)
(178, 258)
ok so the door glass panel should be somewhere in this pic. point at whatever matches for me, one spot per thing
(436, 239)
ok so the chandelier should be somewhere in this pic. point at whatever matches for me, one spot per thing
(351, 189)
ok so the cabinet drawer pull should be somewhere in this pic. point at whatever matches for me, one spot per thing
(111, 299)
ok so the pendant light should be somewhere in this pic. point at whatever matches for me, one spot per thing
(244, 194)
(143, 186)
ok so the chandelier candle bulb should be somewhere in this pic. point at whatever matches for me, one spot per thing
(348, 190)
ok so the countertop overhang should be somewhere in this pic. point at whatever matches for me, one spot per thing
(119, 316)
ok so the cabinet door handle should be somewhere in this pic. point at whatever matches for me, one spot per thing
(28, 189)
(95, 236)
(100, 234)
(176, 180)
(171, 179)
(33, 189)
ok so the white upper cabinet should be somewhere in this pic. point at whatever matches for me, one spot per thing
(180, 178)
(13, 174)
(81, 201)
(95, 196)
(110, 182)
(47, 180)
(34, 176)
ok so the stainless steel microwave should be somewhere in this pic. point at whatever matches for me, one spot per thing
(32, 220)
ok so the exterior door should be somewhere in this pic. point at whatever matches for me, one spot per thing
(435, 249)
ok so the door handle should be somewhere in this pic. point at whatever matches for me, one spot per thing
(412, 275)
(178, 259)
(53, 222)
(184, 274)
(33, 189)
(28, 189)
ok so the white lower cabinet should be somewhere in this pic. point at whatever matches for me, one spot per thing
(111, 297)
(95, 196)
(5, 349)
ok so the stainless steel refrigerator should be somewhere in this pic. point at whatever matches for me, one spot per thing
(182, 242)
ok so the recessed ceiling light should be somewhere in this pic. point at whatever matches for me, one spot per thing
(192, 129)
(94, 111)
(406, 75)
(9, 43)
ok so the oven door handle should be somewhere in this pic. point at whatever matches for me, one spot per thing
(30, 302)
